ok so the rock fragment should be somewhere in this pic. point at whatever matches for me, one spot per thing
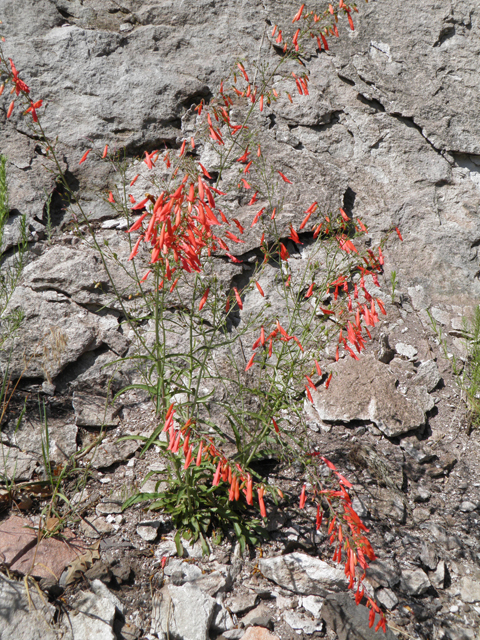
(469, 590)
(183, 613)
(19, 620)
(92, 618)
(349, 621)
(414, 582)
(376, 398)
(303, 574)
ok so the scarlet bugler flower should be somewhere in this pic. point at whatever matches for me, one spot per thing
(303, 497)
(284, 178)
(263, 511)
(204, 299)
(298, 15)
(84, 157)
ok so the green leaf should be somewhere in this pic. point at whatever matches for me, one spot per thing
(178, 544)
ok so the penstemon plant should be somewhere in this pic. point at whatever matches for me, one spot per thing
(227, 342)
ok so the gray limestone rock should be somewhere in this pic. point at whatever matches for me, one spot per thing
(93, 411)
(242, 603)
(303, 623)
(148, 530)
(387, 598)
(222, 620)
(182, 613)
(437, 578)
(302, 574)
(92, 617)
(428, 375)
(100, 590)
(428, 557)
(383, 574)
(18, 619)
(54, 332)
(470, 590)
(376, 398)
(349, 621)
(414, 582)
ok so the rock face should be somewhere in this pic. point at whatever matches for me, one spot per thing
(375, 128)
(390, 132)
(375, 398)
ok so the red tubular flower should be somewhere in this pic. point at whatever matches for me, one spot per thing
(263, 511)
(105, 151)
(298, 15)
(327, 383)
(148, 159)
(204, 299)
(188, 459)
(84, 157)
(317, 366)
(303, 497)
(242, 69)
(257, 217)
(141, 205)
(204, 171)
(294, 235)
(245, 184)
(234, 237)
(249, 494)
(216, 477)
(309, 395)
(325, 44)
(275, 425)
(238, 225)
(284, 178)
(398, 233)
(199, 454)
(244, 157)
(176, 444)
(238, 298)
(110, 197)
(260, 289)
(350, 22)
(310, 290)
(305, 220)
(284, 255)
(250, 363)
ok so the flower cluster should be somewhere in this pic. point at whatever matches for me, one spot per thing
(346, 533)
(19, 88)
